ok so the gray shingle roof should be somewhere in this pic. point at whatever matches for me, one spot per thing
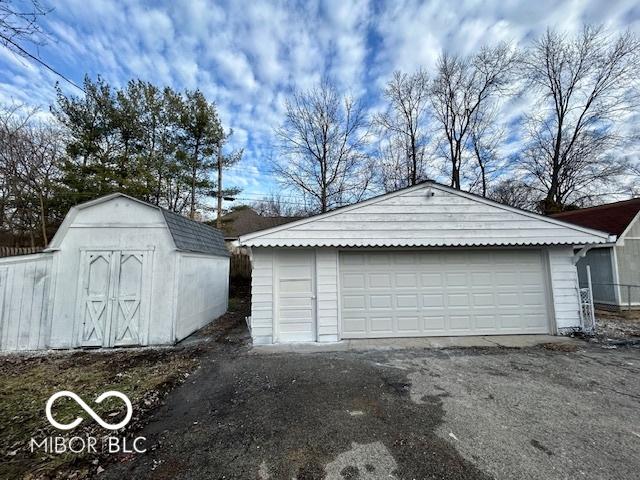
(194, 236)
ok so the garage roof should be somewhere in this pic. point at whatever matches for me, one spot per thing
(425, 215)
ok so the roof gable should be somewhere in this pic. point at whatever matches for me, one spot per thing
(426, 215)
(614, 218)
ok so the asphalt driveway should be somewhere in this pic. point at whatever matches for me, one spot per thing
(457, 413)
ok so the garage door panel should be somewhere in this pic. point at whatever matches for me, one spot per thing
(409, 301)
(434, 324)
(379, 280)
(409, 324)
(433, 300)
(353, 280)
(431, 280)
(406, 280)
(457, 300)
(382, 324)
(483, 299)
(460, 322)
(442, 293)
(377, 302)
(354, 302)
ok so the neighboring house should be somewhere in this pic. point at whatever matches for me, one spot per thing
(427, 260)
(615, 267)
(118, 272)
(244, 220)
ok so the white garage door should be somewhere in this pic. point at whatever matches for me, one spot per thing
(473, 292)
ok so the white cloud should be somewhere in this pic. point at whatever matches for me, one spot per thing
(246, 56)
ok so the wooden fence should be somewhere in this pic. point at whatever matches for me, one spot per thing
(14, 251)
(240, 266)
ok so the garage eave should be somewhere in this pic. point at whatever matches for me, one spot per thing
(368, 243)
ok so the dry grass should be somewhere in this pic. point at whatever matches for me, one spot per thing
(27, 382)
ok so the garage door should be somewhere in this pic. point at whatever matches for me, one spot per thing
(410, 294)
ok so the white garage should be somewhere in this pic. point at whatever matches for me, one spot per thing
(423, 261)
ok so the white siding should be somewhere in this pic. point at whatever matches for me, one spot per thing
(562, 292)
(327, 294)
(24, 301)
(124, 249)
(414, 218)
(564, 285)
(118, 225)
(629, 268)
(202, 291)
(262, 295)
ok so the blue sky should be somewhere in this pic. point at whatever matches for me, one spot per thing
(247, 56)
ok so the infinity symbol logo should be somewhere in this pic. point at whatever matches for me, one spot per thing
(88, 409)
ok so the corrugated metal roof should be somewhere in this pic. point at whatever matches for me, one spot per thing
(192, 236)
(403, 244)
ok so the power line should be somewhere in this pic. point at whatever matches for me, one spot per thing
(41, 62)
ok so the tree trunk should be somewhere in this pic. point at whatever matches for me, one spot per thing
(414, 173)
(43, 222)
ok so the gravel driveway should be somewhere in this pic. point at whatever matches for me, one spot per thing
(466, 413)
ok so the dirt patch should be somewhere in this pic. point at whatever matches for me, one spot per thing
(144, 375)
(617, 326)
(560, 347)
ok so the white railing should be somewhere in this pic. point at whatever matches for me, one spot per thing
(587, 309)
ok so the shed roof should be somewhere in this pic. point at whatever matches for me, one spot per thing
(192, 236)
(611, 217)
(188, 235)
(426, 215)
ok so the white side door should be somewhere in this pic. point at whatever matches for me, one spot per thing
(295, 308)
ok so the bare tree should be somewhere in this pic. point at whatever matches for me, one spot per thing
(586, 86)
(485, 138)
(513, 192)
(276, 206)
(403, 128)
(19, 24)
(30, 158)
(322, 144)
(462, 89)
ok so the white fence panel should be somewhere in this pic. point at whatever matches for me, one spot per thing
(25, 285)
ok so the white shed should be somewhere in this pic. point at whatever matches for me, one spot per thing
(427, 260)
(118, 272)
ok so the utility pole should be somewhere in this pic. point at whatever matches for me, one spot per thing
(219, 215)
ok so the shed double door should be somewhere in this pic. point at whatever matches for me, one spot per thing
(113, 302)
